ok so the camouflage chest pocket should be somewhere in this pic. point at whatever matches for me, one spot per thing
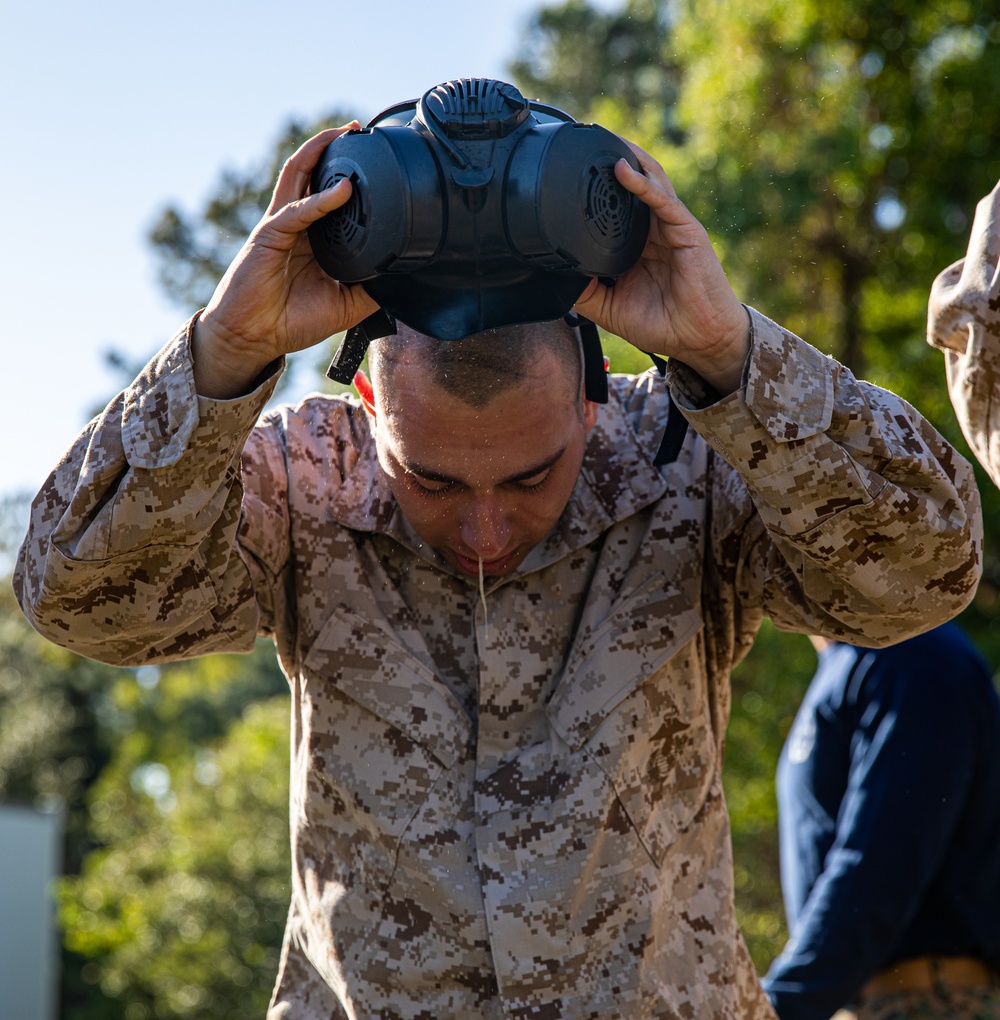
(379, 729)
(634, 700)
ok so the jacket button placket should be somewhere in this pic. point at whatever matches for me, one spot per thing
(514, 773)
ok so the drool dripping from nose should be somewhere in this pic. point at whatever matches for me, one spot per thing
(482, 597)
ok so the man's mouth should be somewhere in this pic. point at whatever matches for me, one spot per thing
(491, 568)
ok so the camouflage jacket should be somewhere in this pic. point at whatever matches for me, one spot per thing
(963, 320)
(512, 811)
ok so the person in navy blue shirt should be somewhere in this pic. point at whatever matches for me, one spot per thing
(889, 821)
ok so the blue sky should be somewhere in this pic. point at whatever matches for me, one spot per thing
(112, 109)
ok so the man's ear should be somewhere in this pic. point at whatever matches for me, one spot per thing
(364, 387)
(590, 408)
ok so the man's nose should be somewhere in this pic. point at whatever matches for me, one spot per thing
(486, 529)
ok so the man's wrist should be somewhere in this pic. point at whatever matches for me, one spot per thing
(724, 365)
(221, 370)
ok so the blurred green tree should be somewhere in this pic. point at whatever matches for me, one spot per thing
(194, 249)
(182, 913)
(53, 748)
(838, 154)
(135, 762)
(573, 53)
(189, 821)
(171, 780)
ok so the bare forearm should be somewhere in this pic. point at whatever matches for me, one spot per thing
(722, 366)
(224, 368)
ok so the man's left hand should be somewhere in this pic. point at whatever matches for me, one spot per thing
(676, 301)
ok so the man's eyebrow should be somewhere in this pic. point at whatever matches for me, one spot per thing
(536, 469)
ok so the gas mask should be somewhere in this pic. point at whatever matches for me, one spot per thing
(473, 208)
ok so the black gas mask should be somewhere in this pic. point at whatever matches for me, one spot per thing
(474, 208)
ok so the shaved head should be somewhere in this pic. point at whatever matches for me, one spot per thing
(480, 367)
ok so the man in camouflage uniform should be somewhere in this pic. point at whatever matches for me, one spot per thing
(507, 803)
(964, 321)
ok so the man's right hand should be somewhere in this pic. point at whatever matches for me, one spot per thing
(274, 298)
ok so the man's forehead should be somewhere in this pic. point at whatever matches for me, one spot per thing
(530, 336)
(524, 423)
(419, 387)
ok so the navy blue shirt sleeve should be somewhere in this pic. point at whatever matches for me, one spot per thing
(909, 758)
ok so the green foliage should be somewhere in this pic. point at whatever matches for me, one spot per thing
(573, 53)
(53, 744)
(622, 356)
(53, 747)
(181, 915)
(173, 786)
(181, 904)
(767, 688)
(833, 146)
(194, 251)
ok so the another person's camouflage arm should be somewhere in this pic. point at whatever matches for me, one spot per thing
(963, 320)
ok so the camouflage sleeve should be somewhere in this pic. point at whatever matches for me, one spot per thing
(963, 320)
(130, 554)
(871, 523)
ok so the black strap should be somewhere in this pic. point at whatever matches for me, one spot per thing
(595, 373)
(676, 428)
(595, 382)
(354, 346)
(673, 437)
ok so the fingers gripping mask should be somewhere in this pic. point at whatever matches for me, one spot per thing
(474, 208)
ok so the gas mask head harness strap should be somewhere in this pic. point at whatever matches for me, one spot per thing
(357, 339)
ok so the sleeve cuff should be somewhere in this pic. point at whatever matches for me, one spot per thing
(162, 409)
(788, 392)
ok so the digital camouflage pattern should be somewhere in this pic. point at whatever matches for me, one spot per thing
(517, 815)
(963, 320)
